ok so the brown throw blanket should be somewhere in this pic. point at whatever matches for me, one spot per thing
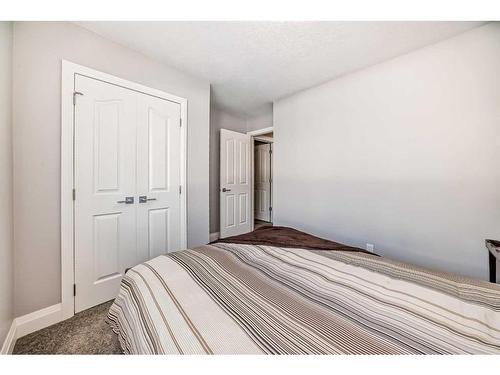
(287, 237)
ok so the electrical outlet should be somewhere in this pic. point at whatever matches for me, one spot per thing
(370, 247)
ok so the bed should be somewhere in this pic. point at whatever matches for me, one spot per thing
(281, 291)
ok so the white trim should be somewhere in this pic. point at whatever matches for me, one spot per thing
(263, 139)
(68, 72)
(261, 131)
(271, 172)
(29, 323)
(183, 178)
(37, 320)
(214, 236)
(67, 256)
(252, 186)
(10, 339)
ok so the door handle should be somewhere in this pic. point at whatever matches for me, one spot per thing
(128, 200)
(145, 199)
(224, 190)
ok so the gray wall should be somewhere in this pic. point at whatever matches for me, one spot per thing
(38, 50)
(6, 248)
(219, 120)
(403, 155)
(260, 122)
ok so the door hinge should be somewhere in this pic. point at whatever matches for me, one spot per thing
(75, 93)
(180, 189)
(74, 194)
(270, 151)
(74, 290)
(270, 208)
(180, 122)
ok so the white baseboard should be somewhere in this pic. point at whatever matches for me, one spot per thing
(10, 339)
(37, 320)
(214, 236)
(26, 324)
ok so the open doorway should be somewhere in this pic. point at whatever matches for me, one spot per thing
(246, 181)
(262, 145)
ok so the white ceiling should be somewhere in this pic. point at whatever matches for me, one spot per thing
(251, 64)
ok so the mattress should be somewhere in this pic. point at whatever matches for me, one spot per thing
(277, 297)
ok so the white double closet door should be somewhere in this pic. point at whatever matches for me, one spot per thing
(127, 165)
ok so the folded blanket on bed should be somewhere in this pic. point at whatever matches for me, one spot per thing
(241, 298)
(288, 237)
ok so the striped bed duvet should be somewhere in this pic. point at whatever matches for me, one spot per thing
(229, 298)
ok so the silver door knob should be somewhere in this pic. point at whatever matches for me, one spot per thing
(145, 199)
(128, 200)
(224, 190)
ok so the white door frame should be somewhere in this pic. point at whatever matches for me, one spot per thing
(255, 134)
(69, 70)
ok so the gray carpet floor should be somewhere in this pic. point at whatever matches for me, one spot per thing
(88, 332)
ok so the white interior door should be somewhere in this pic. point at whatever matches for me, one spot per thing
(234, 183)
(262, 192)
(158, 177)
(126, 147)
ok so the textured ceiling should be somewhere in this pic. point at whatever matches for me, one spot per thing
(251, 64)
